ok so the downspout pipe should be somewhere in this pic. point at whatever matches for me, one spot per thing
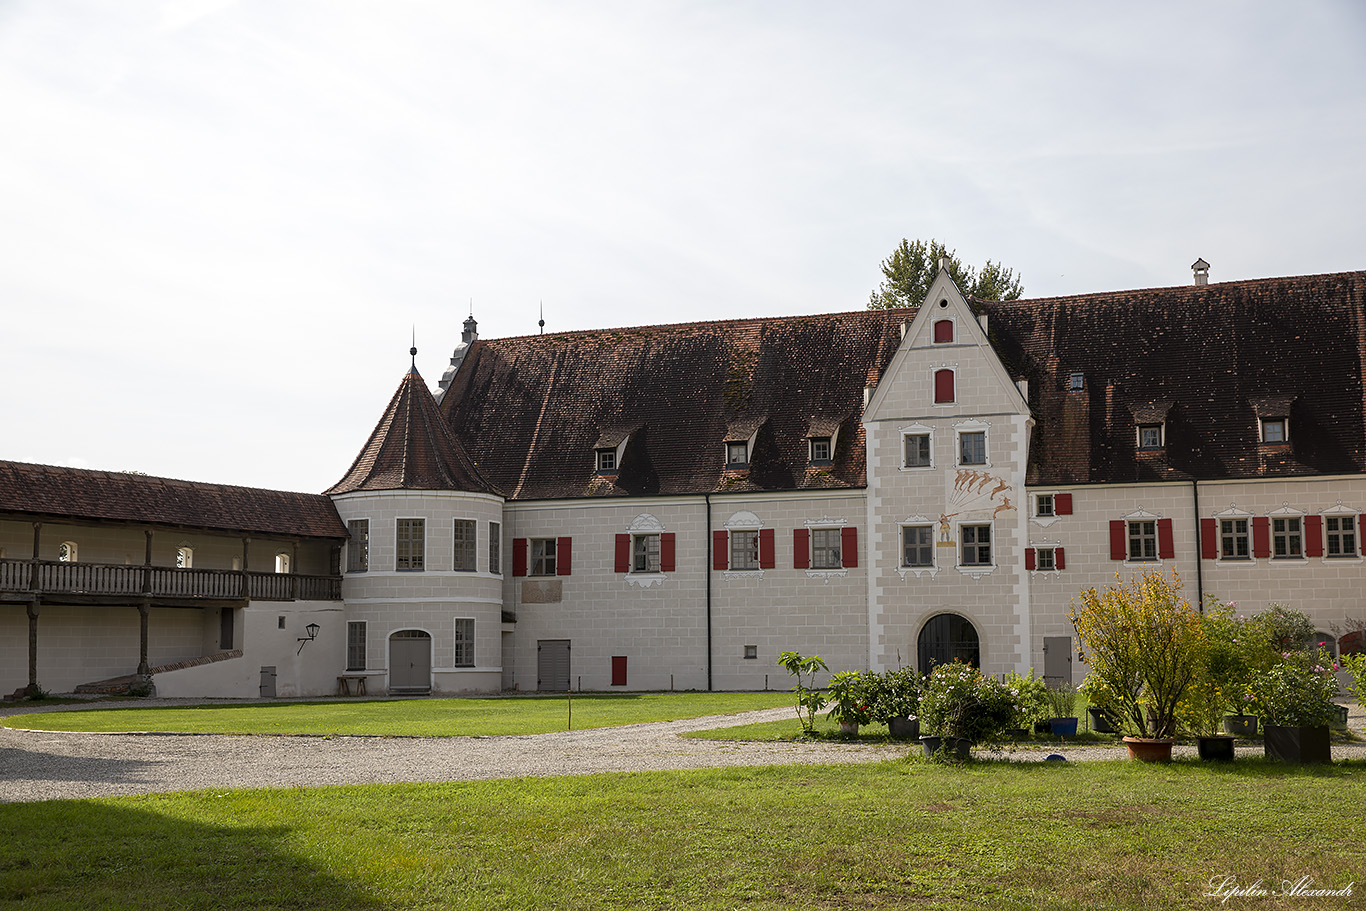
(1199, 549)
(710, 563)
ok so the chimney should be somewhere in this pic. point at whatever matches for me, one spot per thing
(1201, 269)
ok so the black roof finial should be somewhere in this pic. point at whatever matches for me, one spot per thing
(542, 321)
(412, 352)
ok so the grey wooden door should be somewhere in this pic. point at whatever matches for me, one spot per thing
(1057, 659)
(552, 665)
(410, 662)
(268, 682)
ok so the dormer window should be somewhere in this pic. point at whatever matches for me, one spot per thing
(1076, 382)
(607, 461)
(1274, 430)
(1149, 436)
(737, 455)
(820, 451)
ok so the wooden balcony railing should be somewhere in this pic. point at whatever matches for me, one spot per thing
(46, 576)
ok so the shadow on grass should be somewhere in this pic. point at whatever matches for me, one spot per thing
(68, 854)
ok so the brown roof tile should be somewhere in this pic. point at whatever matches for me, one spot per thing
(411, 448)
(77, 493)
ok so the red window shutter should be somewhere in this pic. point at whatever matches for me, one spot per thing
(1361, 524)
(767, 550)
(1058, 561)
(1166, 545)
(1119, 541)
(943, 386)
(1062, 504)
(618, 670)
(849, 546)
(1029, 559)
(1261, 537)
(720, 550)
(519, 556)
(1209, 539)
(623, 553)
(666, 552)
(801, 548)
(943, 330)
(562, 555)
(1313, 536)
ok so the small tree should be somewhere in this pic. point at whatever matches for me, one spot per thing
(1142, 642)
(809, 699)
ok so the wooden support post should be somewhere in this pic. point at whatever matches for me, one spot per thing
(294, 571)
(33, 647)
(147, 566)
(144, 610)
(246, 552)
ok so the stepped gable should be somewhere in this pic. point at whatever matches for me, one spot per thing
(533, 410)
(411, 448)
(1210, 361)
(52, 492)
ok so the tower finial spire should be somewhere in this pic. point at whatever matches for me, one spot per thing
(542, 321)
(412, 352)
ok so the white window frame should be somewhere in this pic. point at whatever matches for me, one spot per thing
(358, 555)
(743, 522)
(645, 552)
(1340, 513)
(1045, 553)
(815, 457)
(462, 642)
(928, 529)
(1076, 381)
(606, 461)
(916, 430)
(1233, 514)
(827, 549)
(1039, 500)
(1287, 515)
(1281, 421)
(1161, 431)
(745, 537)
(1143, 536)
(417, 562)
(495, 548)
(472, 546)
(548, 562)
(961, 438)
(827, 524)
(975, 570)
(737, 446)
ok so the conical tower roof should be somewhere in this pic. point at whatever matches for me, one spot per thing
(412, 449)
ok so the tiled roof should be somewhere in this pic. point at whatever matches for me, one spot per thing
(532, 410)
(411, 448)
(1207, 359)
(76, 493)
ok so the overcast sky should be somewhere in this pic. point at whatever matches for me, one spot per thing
(220, 221)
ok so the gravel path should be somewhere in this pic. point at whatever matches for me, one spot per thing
(45, 766)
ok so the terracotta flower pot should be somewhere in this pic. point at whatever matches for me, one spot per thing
(849, 727)
(1148, 749)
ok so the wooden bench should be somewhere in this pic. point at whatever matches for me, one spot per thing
(344, 682)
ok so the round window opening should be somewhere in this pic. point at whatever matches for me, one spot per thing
(943, 304)
(946, 637)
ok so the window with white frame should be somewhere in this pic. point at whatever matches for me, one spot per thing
(972, 447)
(916, 450)
(356, 657)
(1142, 540)
(821, 451)
(737, 454)
(465, 557)
(410, 545)
(1286, 538)
(358, 546)
(1340, 532)
(1045, 561)
(496, 548)
(1149, 436)
(826, 552)
(917, 545)
(464, 644)
(976, 545)
(607, 461)
(645, 553)
(1234, 543)
(1274, 430)
(1043, 505)
(744, 549)
(1076, 382)
(542, 556)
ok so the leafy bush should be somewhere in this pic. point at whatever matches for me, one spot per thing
(809, 700)
(850, 698)
(1031, 698)
(1142, 641)
(895, 694)
(959, 701)
(1297, 691)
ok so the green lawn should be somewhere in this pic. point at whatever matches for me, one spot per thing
(408, 717)
(895, 835)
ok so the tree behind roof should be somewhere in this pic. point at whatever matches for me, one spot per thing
(908, 272)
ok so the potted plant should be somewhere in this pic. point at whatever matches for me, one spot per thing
(1062, 700)
(848, 697)
(961, 706)
(896, 701)
(1141, 640)
(1295, 699)
(809, 700)
(1031, 701)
